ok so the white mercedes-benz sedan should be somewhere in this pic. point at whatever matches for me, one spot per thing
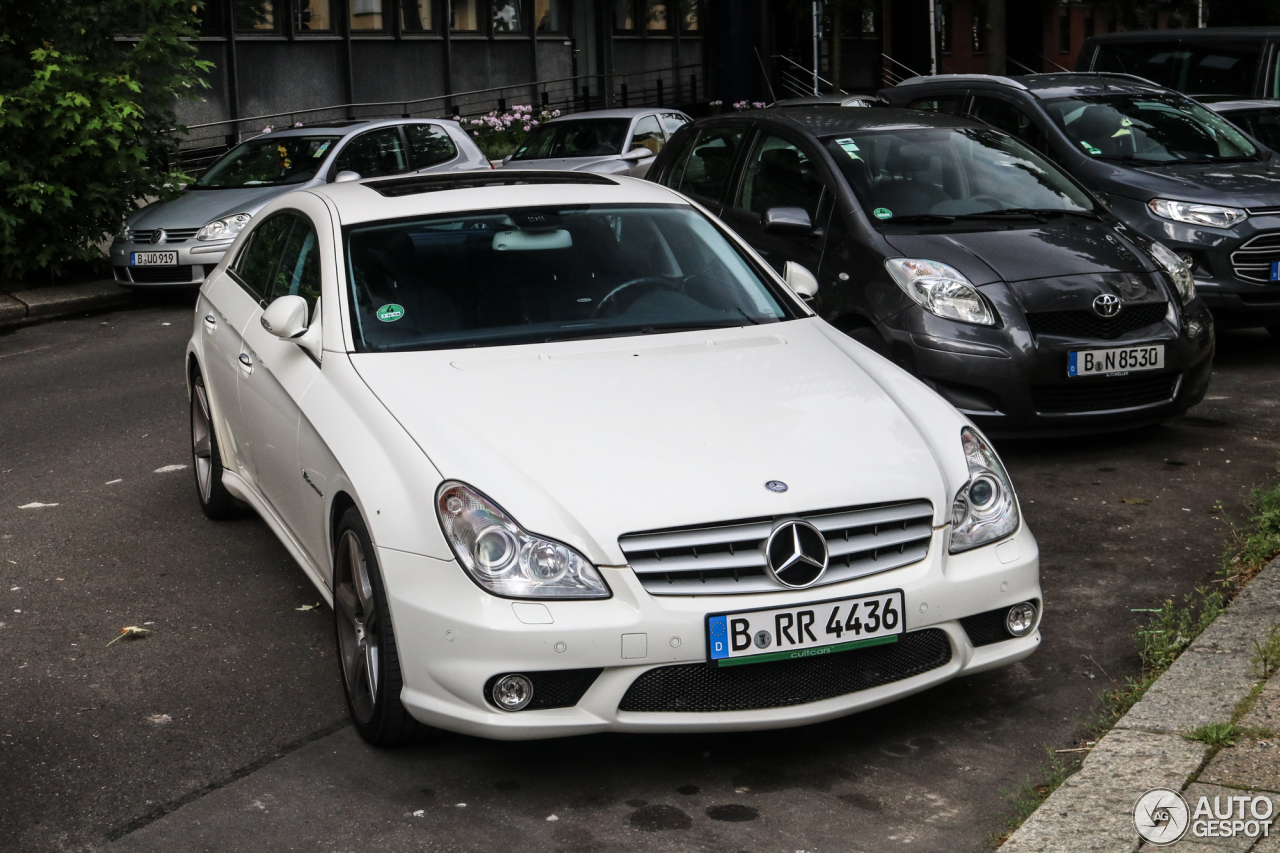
(566, 456)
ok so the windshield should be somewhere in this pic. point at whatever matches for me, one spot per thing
(268, 162)
(597, 137)
(529, 275)
(950, 172)
(1148, 129)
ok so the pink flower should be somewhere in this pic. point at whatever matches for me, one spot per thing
(266, 130)
(526, 128)
(457, 118)
(297, 124)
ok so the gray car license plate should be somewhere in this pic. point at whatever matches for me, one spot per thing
(1097, 362)
(153, 259)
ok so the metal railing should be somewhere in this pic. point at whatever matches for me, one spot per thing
(201, 144)
(796, 81)
(892, 71)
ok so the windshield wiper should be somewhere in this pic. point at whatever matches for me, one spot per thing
(629, 331)
(920, 218)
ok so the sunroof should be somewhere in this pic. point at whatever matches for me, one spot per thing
(395, 187)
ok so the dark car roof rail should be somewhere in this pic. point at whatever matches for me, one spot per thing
(412, 185)
(989, 78)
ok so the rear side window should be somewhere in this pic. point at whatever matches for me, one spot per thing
(378, 152)
(256, 266)
(953, 104)
(430, 145)
(1193, 68)
(706, 172)
(1010, 119)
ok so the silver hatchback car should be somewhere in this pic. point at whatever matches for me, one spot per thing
(177, 243)
(612, 142)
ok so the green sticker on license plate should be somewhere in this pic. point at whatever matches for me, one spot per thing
(390, 313)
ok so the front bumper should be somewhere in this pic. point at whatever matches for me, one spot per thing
(453, 638)
(196, 261)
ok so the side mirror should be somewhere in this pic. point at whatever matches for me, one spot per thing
(346, 175)
(797, 277)
(635, 155)
(286, 317)
(787, 221)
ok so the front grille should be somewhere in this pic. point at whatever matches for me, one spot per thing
(161, 275)
(703, 688)
(1253, 260)
(172, 235)
(560, 688)
(1087, 324)
(729, 559)
(987, 628)
(1101, 395)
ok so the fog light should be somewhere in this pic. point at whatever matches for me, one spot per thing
(1188, 259)
(1019, 621)
(513, 692)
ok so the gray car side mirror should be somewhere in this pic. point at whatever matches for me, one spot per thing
(637, 154)
(797, 278)
(787, 221)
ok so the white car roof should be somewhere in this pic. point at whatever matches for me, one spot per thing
(425, 195)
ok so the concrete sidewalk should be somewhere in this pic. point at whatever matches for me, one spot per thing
(1093, 809)
(60, 299)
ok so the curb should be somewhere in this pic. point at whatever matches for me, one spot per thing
(1145, 749)
(40, 303)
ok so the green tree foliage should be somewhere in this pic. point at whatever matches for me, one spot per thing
(87, 96)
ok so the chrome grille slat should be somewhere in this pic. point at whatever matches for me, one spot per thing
(1252, 261)
(728, 559)
(173, 235)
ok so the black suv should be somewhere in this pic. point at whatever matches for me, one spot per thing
(1165, 165)
(964, 256)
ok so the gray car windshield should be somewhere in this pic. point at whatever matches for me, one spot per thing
(529, 275)
(1149, 129)
(267, 162)
(596, 137)
(951, 173)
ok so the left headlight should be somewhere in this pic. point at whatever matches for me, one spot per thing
(504, 558)
(985, 508)
(1177, 270)
(940, 289)
(1212, 215)
(225, 228)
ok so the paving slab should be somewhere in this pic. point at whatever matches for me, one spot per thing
(1265, 713)
(1250, 764)
(67, 298)
(11, 310)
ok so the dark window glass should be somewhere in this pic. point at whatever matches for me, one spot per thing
(378, 152)
(1010, 119)
(624, 14)
(690, 21)
(430, 145)
(953, 104)
(779, 174)
(465, 18)
(258, 260)
(1262, 125)
(268, 160)
(368, 16)
(255, 16)
(979, 34)
(575, 138)
(313, 16)
(479, 279)
(1193, 68)
(950, 172)
(1148, 129)
(944, 26)
(506, 16)
(655, 14)
(415, 16)
(548, 16)
(706, 172)
(298, 273)
(211, 22)
(1064, 30)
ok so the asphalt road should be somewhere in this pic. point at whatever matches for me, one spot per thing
(223, 728)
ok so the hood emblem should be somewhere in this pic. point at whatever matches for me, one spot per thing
(1106, 305)
(796, 554)
(158, 236)
(776, 486)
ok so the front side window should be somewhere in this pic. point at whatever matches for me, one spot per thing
(256, 265)
(1010, 119)
(298, 273)
(368, 16)
(951, 173)
(648, 134)
(706, 172)
(267, 161)
(372, 154)
(533, 275)
(581, 138)
(779, 174)
(1148, 129)
(1193, 68)
(430, 145)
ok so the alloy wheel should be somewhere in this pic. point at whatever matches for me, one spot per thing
(358, 628)
(201, 443)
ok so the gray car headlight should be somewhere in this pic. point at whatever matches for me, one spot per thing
(940, 289)
(504, 558)
(1213, 215)
(985, 508)
(1177, 270)
(225, 228)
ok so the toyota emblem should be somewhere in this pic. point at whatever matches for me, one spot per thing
(159, 236)
(1106, 305)
(796, 554)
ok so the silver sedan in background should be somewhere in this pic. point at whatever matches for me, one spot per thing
(177, 243)
(611, 142)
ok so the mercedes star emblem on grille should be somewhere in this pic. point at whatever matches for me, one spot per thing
(159, 236)
(1106, 305)
(796, 554)
(776, 486)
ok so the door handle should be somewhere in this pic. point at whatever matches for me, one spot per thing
(246, 361)
(210, 321)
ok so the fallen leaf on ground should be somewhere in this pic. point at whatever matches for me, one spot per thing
(165, 469)
(308, 606)
(131, 631)
(159, 719)
(35, 505)
(1137, 501)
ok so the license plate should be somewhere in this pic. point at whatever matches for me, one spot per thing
(153, 259)
(804, 630)
(1275, 270)
(1096, 362)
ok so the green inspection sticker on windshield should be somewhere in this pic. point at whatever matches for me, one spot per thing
(1090, 148)
(882, 213)
(390, 313)
(850, 147)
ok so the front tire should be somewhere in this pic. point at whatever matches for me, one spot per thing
(367, 655)
(216, 502)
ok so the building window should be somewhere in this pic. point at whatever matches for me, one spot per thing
(506, 16)
(464, 18)
(415, 16)
(944, 27)
(548, 16)
(1088, 23)
(255, 16)
(367, 16)
(1064, 30)
(979, 31)
(690, 21)
(655, 14)
(868, 21)
(624, 15)
(312, 16)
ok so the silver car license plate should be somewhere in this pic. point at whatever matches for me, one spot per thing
(1097, 362)
(804, 630)
(153, 259)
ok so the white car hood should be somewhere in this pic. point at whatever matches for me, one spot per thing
(584, 441)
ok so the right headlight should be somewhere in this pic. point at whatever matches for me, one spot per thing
(504, 558)
(225, 228)
(985, 508)
(940, 289)
(1177, 270)
(1213, 215)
